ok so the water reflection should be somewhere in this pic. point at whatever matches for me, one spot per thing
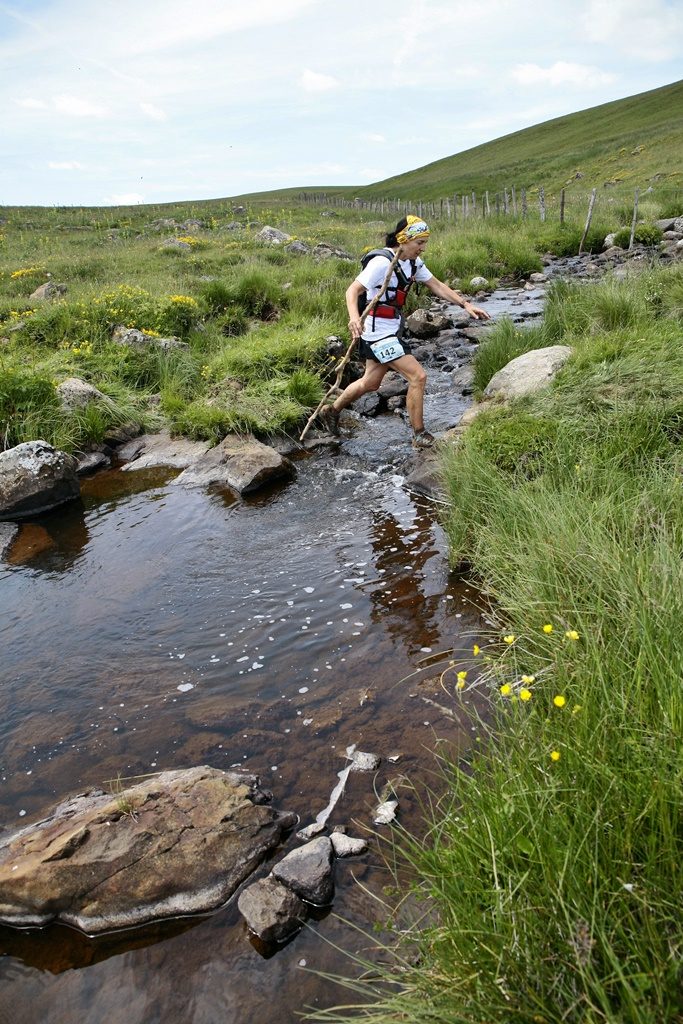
(401, 552)
(53, 542)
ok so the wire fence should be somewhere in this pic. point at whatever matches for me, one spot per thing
(518, 203)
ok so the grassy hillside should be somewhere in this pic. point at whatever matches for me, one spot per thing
(637, 141)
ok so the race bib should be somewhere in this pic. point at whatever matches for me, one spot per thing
(387, 349)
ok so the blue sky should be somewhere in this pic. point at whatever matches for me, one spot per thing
(127, 101)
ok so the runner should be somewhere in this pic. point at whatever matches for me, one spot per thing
(381, 343)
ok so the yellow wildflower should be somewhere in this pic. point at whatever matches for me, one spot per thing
(506, 689)
(476, 650)
(548, 628)
(528, 680)
(510, 638)
(559, 701)
(571, 634)
(460, 684)
(462, 675)
(555, 755)
(524, 694)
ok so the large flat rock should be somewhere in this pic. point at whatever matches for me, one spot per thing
(239, 462)
(180, 842)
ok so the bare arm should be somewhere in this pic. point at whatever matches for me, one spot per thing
(353, 293)
(444, 292)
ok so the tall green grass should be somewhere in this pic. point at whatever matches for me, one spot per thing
(553, 865)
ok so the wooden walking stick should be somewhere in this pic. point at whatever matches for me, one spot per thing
(342, 365)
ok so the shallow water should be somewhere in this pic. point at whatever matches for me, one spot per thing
(149, 627)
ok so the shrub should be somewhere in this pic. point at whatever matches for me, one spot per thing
(179, 315)
(644, 234)
(217, 296)
(233, 322)
(259, 294)
(24, 396)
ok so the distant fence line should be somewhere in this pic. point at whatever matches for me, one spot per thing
(464, 206)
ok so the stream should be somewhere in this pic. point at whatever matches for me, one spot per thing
(149, 627)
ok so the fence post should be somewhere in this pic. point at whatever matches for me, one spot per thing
(497, 204)
(562, 207)
(524, 206)
(635, 218)
(541, 203)
(488, 205)
(514, 202)
(506, 202)
(464, 207)
(448, 208)
(588, 219)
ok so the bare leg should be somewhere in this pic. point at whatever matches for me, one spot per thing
(370, 381)
(410, 370)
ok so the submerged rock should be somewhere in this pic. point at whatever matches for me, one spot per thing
(178, 843)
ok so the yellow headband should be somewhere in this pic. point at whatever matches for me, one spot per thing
(415, 228)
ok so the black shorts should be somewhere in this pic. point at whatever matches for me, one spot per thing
(366, 352)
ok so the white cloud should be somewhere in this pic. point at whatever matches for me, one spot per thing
(73, 106)
(30, 104)
(65, 165)
(652, 31)
(373, 137)
(311, 81)
(582, 76)
(124, 199)
(155, 113)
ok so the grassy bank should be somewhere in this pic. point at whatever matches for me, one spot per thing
(254, 318)
(554, 862)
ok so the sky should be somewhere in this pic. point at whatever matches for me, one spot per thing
(154, 101)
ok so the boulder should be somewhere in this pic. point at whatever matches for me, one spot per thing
(528, 372)
(35, 477)
(369, 405)
(161, 449)
(426, 476)
(393, 385)
(307, 871)
(272, 236)
(609, 240)
(478, 283)
(91, 462)
(325, 251)
(176, 244)
(271, 910)
(239, 462)
(131, 337)
(77, 394)
(424, 323)
(180, 842)
(48, 292)
(298, 248)
(666, 223)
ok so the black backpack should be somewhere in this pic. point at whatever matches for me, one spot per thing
(394, 298)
